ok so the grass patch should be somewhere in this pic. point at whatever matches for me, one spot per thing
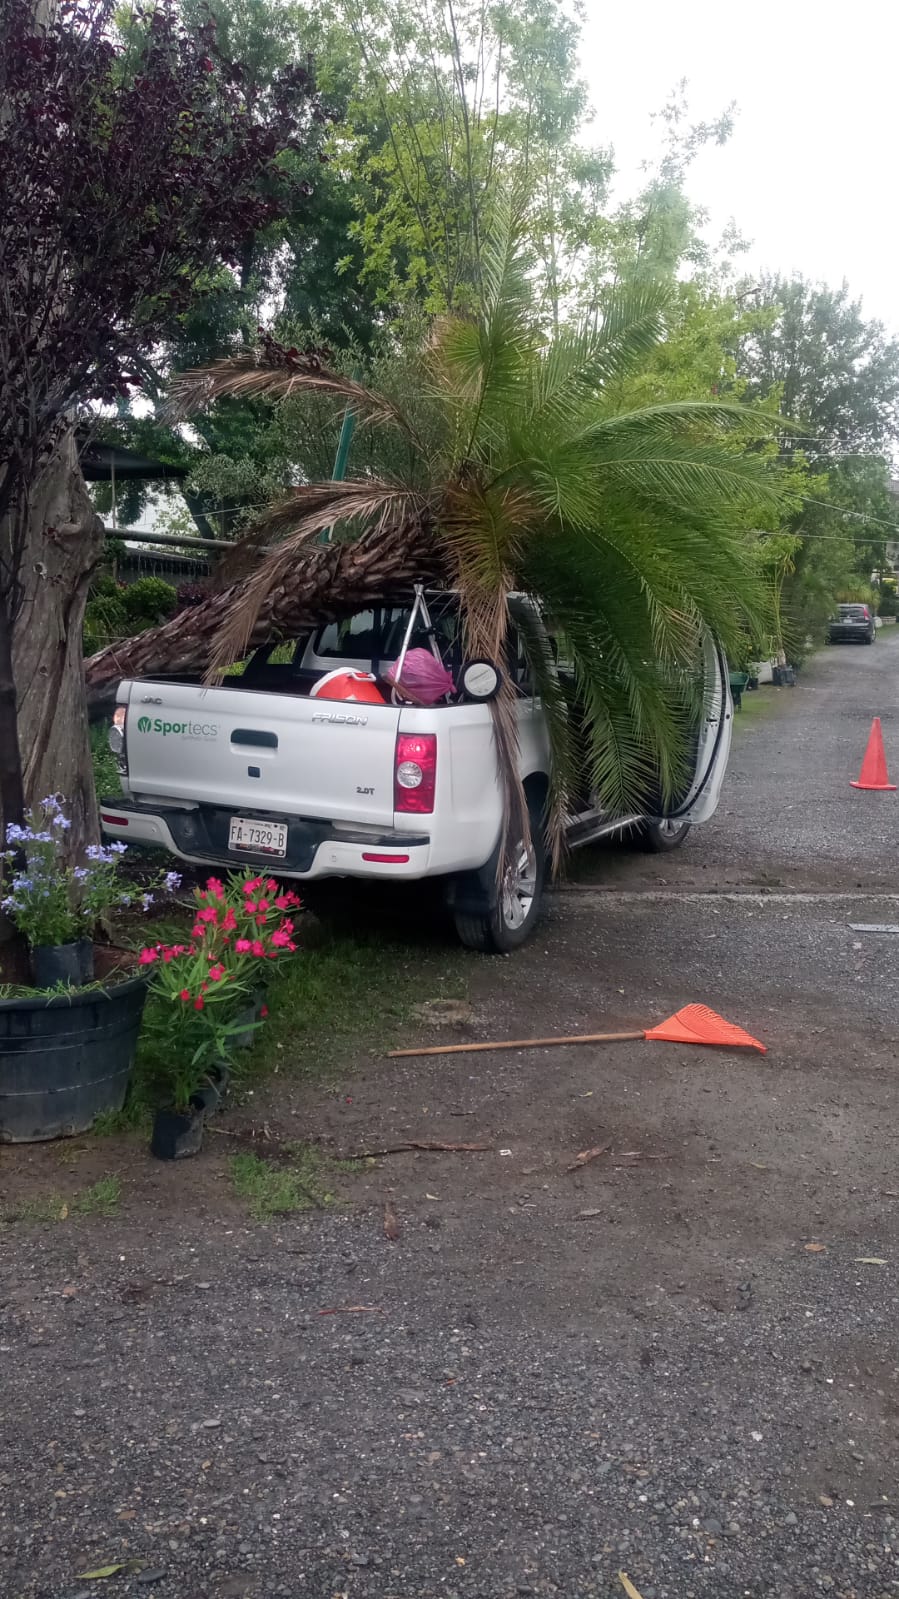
(757, 704)
(342, 995)
(344, 992)
(271, 1189)
(106, 774)
(101, 1199)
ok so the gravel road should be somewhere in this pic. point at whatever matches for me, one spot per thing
(678, 1360)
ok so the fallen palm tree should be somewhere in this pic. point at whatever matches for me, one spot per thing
(525, 472)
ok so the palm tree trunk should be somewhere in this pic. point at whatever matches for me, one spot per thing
(332, 580)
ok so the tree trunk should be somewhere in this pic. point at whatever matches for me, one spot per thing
(63, 545)
(330, 581)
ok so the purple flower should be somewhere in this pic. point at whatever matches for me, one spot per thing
(171, 881)
(146, 901)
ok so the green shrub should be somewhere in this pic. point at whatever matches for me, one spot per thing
(148, 601)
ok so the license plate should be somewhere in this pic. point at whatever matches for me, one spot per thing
(262, 838)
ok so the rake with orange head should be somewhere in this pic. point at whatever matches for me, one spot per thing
(693, 1024)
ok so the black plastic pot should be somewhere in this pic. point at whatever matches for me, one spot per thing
(209, 1097)
(246, 1019)
(71, 964)
(64, 1058)
(177, 1134)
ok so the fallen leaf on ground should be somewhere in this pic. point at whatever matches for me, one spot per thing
(391, 1222)
(63, 1212)
(69, 1291)
(101, 1571)
(869, 1260)
(432, 1196)
(589, 1213)
(815, 1249)
(586, 1155)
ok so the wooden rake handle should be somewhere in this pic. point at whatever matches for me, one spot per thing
(517, 1043)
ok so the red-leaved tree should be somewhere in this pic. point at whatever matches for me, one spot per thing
(134, 166)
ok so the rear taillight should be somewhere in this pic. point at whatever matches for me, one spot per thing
(415, 772)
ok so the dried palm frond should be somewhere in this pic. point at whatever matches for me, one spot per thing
(251, 376)
(482, 530)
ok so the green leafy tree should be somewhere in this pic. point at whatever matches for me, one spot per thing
(831, 370)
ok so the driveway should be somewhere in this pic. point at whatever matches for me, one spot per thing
(678, 1359)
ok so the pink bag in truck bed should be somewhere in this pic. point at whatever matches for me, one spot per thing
(424, 680)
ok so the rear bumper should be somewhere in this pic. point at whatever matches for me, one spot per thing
(315, 848)
(850, 635)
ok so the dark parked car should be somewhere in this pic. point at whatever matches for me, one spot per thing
(853, 624)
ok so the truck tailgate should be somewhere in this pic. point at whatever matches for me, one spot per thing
(265, 752)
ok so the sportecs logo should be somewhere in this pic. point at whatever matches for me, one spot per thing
(177, 729)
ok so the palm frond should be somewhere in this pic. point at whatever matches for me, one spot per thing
(250, 377)
(483, 533)
(583, 358)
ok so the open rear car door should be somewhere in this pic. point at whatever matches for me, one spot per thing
(712, 741)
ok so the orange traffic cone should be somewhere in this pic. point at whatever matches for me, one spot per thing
(874, 766)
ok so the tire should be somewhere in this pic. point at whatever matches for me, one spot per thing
(519, 904)
(659, 838)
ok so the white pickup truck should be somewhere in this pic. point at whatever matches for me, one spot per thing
(259, 772)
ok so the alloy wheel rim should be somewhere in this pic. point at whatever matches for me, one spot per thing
(519, 888)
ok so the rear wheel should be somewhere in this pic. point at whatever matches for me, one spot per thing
(662, 836)
(518, 902)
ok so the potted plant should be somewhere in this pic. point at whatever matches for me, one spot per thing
(67, 1044)
(207, 996)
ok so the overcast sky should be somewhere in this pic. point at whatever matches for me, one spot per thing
(809, 174)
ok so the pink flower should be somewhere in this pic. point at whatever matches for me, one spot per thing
(260, 919)
(215, 888)
(242, 945)
(264, 904)
(217, 973)
(253, 886)
(229, 921)
(281, 939)
(185, 993)
(148, 956)
(210, 914)
(272, 886)
(251, 906)
(258, 947)
(197, 930)
(263, 1011)
(199, 1002)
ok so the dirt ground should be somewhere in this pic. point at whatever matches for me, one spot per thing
(678, 1359)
